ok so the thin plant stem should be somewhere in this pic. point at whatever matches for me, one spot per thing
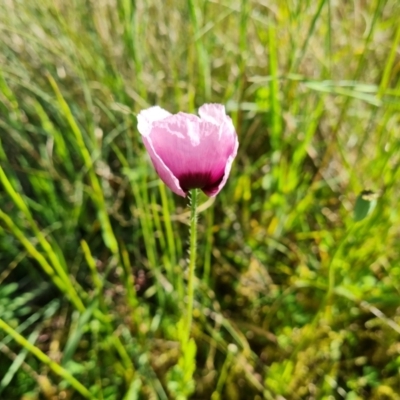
(192, 260)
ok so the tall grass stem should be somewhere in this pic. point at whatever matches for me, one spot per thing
(56, 368)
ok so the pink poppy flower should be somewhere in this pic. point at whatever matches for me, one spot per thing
(188, 151)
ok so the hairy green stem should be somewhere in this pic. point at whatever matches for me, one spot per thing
(192, 260)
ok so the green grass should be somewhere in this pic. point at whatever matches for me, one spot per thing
(298, 278)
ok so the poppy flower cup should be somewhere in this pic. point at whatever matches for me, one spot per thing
(190, 152)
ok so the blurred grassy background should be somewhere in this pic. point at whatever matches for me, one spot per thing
(298, 287)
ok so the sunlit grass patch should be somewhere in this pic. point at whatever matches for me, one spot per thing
(297, 293)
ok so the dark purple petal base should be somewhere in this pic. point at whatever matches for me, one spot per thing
(207, 182)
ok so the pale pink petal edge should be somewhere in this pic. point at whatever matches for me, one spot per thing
(227, 170)
(162, 170)
(146, 118)
(214, 113)
(145, 122)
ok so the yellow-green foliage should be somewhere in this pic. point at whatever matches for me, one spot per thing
(298, 269)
